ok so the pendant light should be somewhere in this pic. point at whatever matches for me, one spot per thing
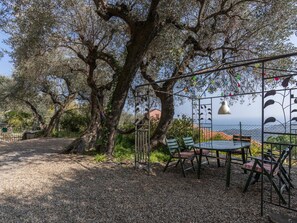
(224, 109)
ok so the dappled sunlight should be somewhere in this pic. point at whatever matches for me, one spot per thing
(67, 188)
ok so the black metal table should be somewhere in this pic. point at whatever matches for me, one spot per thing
(224, 146)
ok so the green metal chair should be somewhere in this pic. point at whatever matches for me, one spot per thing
(179, 157)
(189, 144)
(270, 168)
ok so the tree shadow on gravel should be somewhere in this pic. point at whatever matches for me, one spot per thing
(35, 151)
(115, 193)
(68, 188)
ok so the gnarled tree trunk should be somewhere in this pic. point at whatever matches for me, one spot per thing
(90, 136)
(167, 108)
(56, 117)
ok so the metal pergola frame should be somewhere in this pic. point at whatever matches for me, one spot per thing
(143, 141)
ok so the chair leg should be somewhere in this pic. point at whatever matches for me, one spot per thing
(256, 178)
(250, 176)
(182, 167)
(248, 182)
(276, 189)
(167, 164)
(207, 160)
(284, 173)
(192, 163)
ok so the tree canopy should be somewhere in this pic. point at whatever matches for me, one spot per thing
(99, 49)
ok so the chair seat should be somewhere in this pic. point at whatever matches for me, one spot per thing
(204, 152)
(185, 154)
(267, 166)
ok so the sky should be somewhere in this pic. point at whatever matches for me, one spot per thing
(6, 67)
(239, 112)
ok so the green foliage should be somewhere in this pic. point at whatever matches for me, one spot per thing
(279, 139)
(18, 119)
(122, 153)
(74, 121)
(181, 127)
(159, 156)
(125, 140)
(124, 149)
(65, 134)
(256, 148)
(100, 158)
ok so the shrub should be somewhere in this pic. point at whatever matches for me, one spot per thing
(122, 153)
(159, 156)
(100, 158)
(18, 119)
(74, 121)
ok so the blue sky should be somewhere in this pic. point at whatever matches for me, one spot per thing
(6, 67)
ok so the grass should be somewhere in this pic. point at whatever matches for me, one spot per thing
(100, 158)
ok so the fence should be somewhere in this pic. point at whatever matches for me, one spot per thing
(10, 136)
(255, 131)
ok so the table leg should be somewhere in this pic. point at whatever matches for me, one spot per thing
(199, 163)
(228, 166)
(218, 158)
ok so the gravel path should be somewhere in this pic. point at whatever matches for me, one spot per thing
(40, 185)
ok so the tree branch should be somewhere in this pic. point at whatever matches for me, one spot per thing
(143, 70)
(119, 10)
(110, 60)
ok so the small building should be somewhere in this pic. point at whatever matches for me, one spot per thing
(155, 114)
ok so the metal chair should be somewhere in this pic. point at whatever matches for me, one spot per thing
(270, 168)
(179, 156)
(189, 144)
(244, 152)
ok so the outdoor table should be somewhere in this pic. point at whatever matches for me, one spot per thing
(224, 146)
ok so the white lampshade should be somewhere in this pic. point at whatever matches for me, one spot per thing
(224, 109)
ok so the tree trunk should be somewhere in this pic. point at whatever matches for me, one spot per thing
(37, 115)
(143, 35)
(50, 127)
(54, 120)
(167, 108)
(90, 136)
(89, 139)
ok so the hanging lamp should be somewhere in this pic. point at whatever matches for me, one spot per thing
(224, 109)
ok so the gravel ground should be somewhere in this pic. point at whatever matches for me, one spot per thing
(40, 185)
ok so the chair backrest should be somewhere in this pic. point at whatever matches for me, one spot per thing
(285, 153)
(283, 156)
(188, 142)
(241, 138)
(172, 145)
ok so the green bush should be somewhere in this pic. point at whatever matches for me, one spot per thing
(18, 119)
(100, 158)
(182, 127)
(65, 134)
(74, 121)
(122, 153)
(159, 156)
